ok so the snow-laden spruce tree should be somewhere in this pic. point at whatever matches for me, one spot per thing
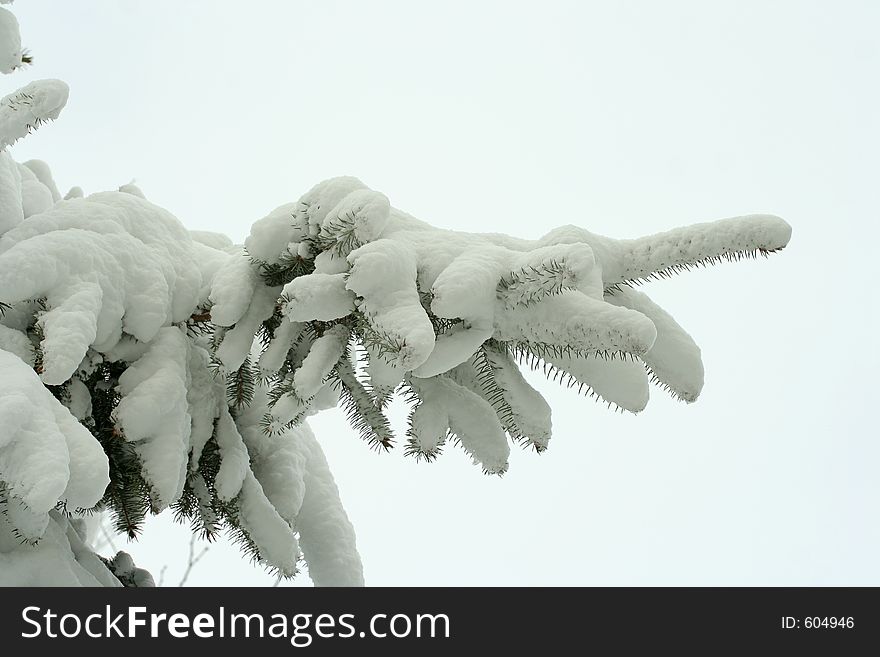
(145, 368)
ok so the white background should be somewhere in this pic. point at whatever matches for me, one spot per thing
(625, 117)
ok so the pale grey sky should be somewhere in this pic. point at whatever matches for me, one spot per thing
(625, 117)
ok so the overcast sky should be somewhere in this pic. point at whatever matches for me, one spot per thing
(624, 117)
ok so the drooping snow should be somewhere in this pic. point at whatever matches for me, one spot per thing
(46, 455)
(285, 335)
(268, 530)
(384, 376)
(280, 468)
(471, 418)
(237, 341)
(326, 536)
(294, 484)
(154, 415)
(202, 396)
(233, 286)
(234, 460)
(529, 409)
(674, 358)
(323, 355)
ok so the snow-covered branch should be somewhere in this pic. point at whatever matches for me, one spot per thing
(147, 367)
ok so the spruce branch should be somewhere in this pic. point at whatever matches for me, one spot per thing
(363, 415)
(494, 393)
(440, 324)
(387, 347)
(415, 449)
(529, 285)
(240, 386)
(338, 235)
(288, 267)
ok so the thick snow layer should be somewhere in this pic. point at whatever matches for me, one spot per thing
(209, 261)
(329, 262)
(154, 415)
(25, 172)
(273, 232)
(547, 291)
(233, 286)
(217, 241)
(35, 198)
(322, 297)
(426, 300)
(114, 278)
(46, 455)
(25, 110)
(106, 264)
(383, 276)
(44, 175)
